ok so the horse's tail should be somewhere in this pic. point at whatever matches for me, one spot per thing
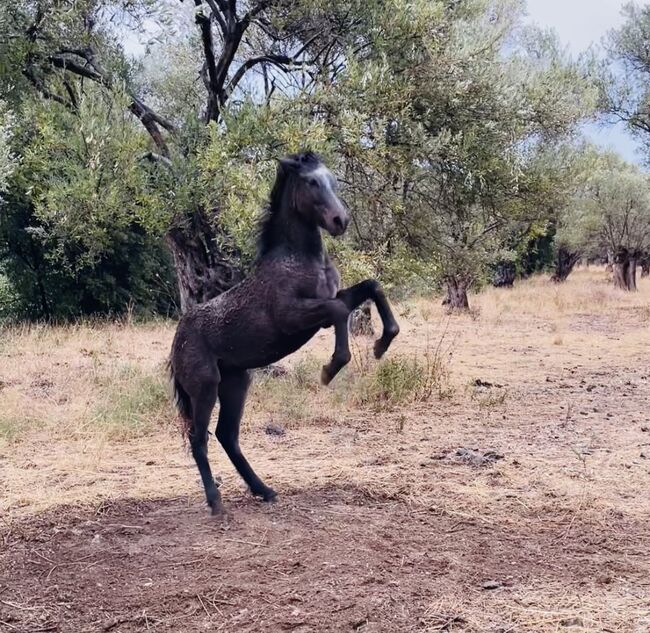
(182, 401)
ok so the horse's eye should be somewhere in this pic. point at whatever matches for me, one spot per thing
(314, 183)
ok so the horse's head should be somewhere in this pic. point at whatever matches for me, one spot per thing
(315, 193)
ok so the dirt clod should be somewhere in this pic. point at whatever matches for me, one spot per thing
(274, 429)
(476, 457)
(491, 585)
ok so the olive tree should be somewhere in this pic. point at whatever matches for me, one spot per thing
(621, 201)
(443, 140)
(60, 52)
(626, 89)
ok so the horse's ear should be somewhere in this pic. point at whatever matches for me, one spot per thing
(289, 164)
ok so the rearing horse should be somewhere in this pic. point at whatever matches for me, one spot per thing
(292, 292)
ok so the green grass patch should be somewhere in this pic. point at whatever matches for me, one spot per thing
(13, 428)
(401, 379)
(134, 402)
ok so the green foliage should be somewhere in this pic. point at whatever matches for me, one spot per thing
(448, 144)
(8, 160)
(84, 176)
(617, 207)
(609, 211)
(449, 124)
(8, 298)
(80, 228)
(627, 94)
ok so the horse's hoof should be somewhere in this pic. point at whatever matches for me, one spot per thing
(380, 348)
(268, 495)
(383, 343)
(325, 377)
(217, 509)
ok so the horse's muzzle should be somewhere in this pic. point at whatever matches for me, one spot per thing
(336, 222)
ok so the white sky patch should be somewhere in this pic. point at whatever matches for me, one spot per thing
(579, 23)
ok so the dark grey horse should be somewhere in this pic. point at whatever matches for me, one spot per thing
(292, 292)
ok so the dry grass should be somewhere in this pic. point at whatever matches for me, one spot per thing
(101, 385)
(83, 419)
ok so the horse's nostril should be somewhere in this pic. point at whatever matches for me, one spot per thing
(338, 222)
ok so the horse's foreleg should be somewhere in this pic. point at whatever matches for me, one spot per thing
(341, 356)
(233, 389)
(355, 295)
(317, 313)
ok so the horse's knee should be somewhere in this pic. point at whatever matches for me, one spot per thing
(391, 331)
(373, 286)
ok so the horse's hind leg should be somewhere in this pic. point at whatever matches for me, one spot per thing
(233, 389)
(354, 296)
(202, 405)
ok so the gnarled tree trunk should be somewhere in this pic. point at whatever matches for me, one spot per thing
(361, 321)
(565, 262)
(631, 272)
(456, 297)
(203, 269)
(625, 270)
(644, 262)
(504, 275)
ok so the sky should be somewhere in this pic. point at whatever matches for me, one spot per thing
(580, 24)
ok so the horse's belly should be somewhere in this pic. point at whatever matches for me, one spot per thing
(261, 352)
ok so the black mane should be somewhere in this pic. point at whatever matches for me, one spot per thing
(266, 233)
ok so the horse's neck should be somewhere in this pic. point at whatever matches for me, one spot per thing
(293, 236)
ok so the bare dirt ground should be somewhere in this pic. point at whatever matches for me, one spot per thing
(383, 524)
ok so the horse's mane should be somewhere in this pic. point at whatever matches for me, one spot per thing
(265, 227)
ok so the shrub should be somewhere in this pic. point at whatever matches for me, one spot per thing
(401, 379)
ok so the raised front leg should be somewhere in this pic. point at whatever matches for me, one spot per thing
(318, 313)
(341, 356)
(355, 295)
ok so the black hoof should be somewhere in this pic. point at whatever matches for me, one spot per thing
(383, 343)
(268, 495)
(325, 376)
(380, 347)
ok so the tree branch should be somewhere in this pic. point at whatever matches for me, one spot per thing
(48, 94)
(219, 15)
(277, 60)
(65, 63)
(156, 158)
(258, 8)
(205, 27)
(92, 70)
